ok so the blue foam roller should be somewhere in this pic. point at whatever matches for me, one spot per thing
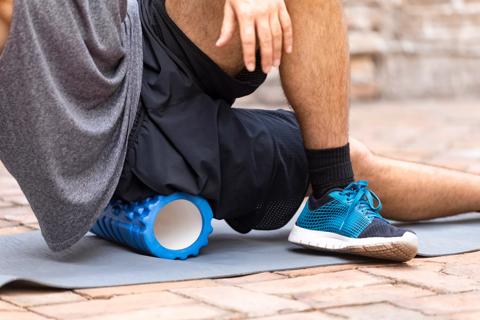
(171, 227)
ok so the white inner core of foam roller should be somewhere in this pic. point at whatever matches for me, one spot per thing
(178, 225)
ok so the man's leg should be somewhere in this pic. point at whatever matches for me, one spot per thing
(316, 75)
(341, 216)
(201, 21)
(412, 191)
(316, 81)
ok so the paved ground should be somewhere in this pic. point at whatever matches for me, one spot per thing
(439, 288)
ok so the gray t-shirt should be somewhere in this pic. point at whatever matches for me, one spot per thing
(70, 79)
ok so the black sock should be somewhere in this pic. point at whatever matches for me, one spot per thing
(329, 168)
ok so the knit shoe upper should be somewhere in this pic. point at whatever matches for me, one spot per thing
(353, 212)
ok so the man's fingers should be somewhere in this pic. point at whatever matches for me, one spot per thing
(228, 27)
(269, 22)
(277, 39)
(287, 28)
(247, 34)
(266, 43)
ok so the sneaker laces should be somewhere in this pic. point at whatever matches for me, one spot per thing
(363, 199)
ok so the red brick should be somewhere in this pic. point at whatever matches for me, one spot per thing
(115, 305)
(354, 296)
(36, 297)
(430, 278)
(15, 315)
(444, 304)
(5, 306)
(144, 288)
(244, 301)
(6, 223)
(465, 316)
(323, 281)
(178, 312)
(15, 211)
(377, 311)
(317, 315)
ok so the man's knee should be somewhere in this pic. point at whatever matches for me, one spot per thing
(201, 21)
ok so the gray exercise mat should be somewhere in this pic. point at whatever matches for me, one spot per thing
(94, 262)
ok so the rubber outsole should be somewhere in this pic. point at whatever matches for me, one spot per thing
(132, 225)
(400, 249)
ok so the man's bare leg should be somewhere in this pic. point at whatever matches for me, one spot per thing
(412, 191)
(316, 75)
(201, 21)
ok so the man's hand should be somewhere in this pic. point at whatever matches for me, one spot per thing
(267, 20)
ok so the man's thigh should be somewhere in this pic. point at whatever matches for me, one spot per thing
(201, 21)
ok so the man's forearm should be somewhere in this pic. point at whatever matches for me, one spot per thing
(6, 11)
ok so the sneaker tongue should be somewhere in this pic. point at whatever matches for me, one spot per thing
(315, 203)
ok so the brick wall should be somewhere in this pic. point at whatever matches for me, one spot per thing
(409, 49)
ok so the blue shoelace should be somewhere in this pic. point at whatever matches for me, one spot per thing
(362, 198)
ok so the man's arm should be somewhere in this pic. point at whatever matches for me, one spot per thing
(6, 11)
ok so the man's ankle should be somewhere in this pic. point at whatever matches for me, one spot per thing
(329, 169)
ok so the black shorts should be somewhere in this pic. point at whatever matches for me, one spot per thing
(249, 164)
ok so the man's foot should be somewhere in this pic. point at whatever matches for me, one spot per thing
(349, 221)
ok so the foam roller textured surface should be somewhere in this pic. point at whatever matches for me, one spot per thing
(132, 225)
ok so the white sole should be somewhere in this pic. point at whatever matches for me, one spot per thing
(396, 249)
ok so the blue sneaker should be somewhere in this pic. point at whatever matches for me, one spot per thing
(349, 221)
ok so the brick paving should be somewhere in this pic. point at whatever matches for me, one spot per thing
(444, 133)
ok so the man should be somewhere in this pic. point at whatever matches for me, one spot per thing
(70, 79)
